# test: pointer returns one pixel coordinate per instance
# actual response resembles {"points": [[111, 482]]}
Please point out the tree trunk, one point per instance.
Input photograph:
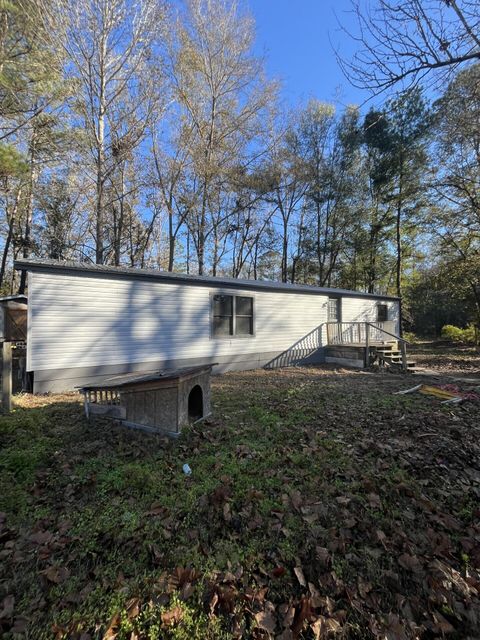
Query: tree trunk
{"points": [[372, 266], [476, 295], [285, 251], [99, 211], [201, 232], [398, 238], [299, 250], [29, 207], [11, 223], [118, 231], [171, 237], [215, 258], [255, 259], [6, 249]]}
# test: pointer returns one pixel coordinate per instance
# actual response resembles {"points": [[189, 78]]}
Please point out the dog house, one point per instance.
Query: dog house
{"points": [[161, 402]]}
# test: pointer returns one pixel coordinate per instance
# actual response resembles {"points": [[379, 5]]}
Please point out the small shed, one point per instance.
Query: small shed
{"points": [[13, 334], [13, 318], [160, 402]]}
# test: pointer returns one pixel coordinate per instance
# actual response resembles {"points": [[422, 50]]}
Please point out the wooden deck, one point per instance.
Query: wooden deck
{"points": [[365, 338]]}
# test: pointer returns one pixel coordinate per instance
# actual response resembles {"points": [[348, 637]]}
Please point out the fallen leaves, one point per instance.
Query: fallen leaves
{"points": [[6, 608], [374, 501], [451, 580], [324, 627], [114, 627], [41, 537], [323, 556], [172, 616], [133, 608], [266, 619], [410, 563], [300, 577], [328, 520], [57, 575]]}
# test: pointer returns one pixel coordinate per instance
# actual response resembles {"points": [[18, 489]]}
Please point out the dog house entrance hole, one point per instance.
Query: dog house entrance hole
{"points": [[195, 403]]}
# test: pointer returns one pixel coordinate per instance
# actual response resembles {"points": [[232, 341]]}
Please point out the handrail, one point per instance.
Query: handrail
{"points": [[372, 324], [394, 335]]}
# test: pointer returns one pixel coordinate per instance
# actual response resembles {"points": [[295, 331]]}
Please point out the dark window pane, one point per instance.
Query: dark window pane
{"points": [[244, 326], [382, 313], [244, 306], [222, 325], [222, 305]]}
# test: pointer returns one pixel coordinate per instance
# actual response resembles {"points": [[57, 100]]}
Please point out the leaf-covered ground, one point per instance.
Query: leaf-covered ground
{"points": [[448, 359], [320, 505]]}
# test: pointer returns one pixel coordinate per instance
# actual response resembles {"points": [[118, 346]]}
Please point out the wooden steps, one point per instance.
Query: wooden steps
{"points": [[390, 355], [377, 343]]}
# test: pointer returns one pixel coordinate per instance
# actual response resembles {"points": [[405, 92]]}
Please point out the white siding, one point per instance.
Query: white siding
{"points": [[365, 310], [87, 320]]}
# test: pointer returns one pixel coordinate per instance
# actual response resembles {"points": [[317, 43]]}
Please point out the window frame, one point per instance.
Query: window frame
{"points": [[234, 295], [385, 306]]}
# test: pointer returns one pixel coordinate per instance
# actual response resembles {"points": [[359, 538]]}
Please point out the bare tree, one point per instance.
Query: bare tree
{"points": [[287, 177], [403, 42], [129, 123], [168, 170], [219, 86], [108, 44]]}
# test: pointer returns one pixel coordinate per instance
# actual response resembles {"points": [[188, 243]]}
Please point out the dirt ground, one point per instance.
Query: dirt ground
{"points": [[320, 505], [447, 359]]}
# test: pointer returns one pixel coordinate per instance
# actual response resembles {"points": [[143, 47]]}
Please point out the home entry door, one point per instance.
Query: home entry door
{"points": [[334, 309]]}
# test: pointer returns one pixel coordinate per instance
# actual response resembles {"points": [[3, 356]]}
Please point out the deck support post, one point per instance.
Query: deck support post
{"points": [[403, 350], [367, 344], [7, 376]]}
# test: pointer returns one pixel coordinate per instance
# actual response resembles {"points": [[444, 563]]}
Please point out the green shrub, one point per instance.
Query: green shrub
{"points": [[456, 334], [410, 337], [470, 334]]}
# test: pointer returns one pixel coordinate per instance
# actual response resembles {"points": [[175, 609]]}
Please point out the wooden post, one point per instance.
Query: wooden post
{"points": [[7, 376], [86, 395], [403, 349], [367, 344]]}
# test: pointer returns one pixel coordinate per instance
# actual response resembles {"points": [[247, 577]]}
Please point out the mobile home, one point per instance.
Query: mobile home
{"points": [[88, 322]]}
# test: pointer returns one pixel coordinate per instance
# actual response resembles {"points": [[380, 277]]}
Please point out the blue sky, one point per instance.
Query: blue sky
{"points": [[295, 37]]}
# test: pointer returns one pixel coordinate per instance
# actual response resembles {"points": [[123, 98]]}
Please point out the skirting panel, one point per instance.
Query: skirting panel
{"points": [[58, 380], [346, 362]]}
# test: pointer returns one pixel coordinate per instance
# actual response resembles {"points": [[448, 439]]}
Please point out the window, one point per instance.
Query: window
{"points": [[232, 315], [334, 310], [382, 312], [222, 315], [243, 316]]}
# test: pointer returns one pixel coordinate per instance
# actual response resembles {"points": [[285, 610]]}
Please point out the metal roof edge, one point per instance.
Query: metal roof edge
{"points": [[17, 297], [35, 264]]}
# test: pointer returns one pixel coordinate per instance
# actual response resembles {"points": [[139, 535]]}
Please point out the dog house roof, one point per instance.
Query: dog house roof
{"points": [[132, 379]]}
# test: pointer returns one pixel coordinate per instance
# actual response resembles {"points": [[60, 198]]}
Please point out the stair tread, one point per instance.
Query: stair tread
{"points": [[410, 365]]}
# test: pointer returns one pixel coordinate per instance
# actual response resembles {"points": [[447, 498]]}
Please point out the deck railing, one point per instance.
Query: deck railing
{"points": [[365, 334]]}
